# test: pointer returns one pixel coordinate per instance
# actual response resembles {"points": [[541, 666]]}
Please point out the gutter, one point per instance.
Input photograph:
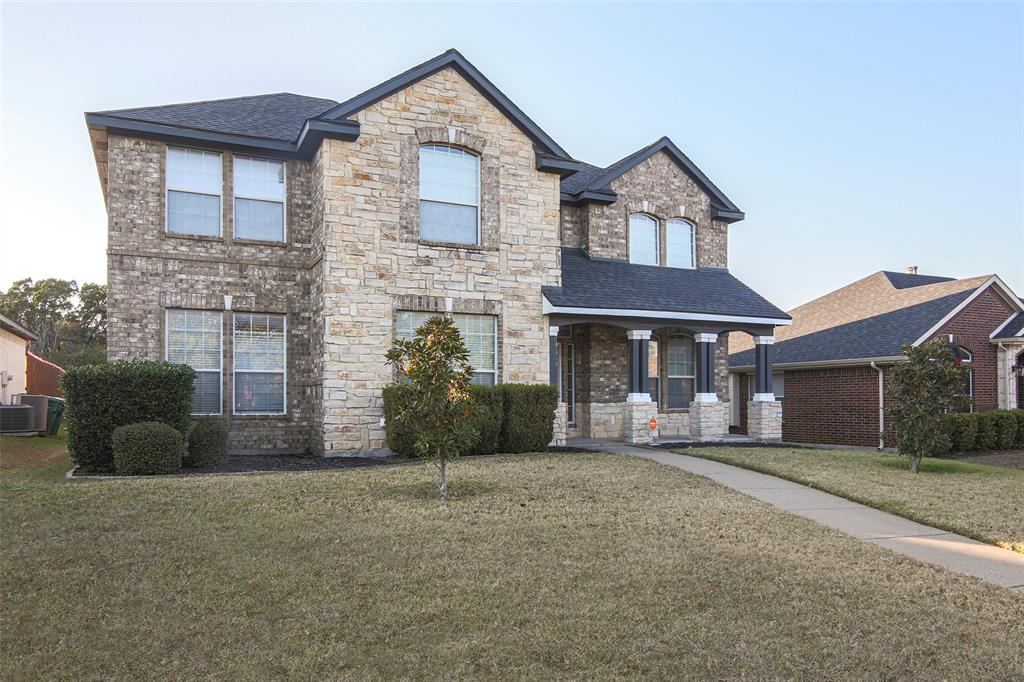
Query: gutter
{"points": [[815, 364], [881, 405]]}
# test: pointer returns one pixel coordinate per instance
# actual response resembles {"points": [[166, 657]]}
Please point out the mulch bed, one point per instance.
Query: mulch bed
{"points": [[1013, 459], [245, 464]]}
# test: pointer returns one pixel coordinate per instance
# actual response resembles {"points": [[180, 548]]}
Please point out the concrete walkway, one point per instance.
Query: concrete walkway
{"points": [[933, 545]]}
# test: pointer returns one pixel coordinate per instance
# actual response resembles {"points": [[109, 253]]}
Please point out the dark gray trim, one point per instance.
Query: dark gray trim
{"points": [[449, 58], [590, 196], [554, 164], [705, 352], [763, 368], [553, 360], [313, 133], [726, 216]]}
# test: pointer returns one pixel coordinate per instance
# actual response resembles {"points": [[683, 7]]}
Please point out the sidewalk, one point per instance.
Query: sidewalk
{"points": [[933, 545]]}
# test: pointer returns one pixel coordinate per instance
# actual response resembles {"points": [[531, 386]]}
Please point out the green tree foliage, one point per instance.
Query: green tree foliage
{"points": [[930, 384], [438, 407], [71, 323]]}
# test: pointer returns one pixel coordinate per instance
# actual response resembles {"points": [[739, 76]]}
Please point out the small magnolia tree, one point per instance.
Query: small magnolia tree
{"points": [[922, 389], [436, 364]]}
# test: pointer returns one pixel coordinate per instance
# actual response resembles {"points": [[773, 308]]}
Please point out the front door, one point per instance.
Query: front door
{"points": [[567, 379]]}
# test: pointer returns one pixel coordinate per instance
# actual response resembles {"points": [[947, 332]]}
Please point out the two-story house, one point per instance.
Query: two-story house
{"points": [[279, 243]]}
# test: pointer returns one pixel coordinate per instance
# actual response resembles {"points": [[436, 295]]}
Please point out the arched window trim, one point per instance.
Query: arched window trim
{"points": [[430, 146], [657, 237], [679, 220]]}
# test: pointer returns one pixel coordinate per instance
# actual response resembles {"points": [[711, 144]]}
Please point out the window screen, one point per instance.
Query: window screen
{"points": [[479, 333], [259, 353], [194, 338], [449, 195], [193, 192], [259, 199]]}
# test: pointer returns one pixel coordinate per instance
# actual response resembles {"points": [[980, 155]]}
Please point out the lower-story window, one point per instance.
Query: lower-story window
{"points": [[194, 338], [479, 333], [259, 363], [681, 373]]}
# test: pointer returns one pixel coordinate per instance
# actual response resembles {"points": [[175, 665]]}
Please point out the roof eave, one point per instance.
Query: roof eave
{"points": [[812, 364], [591, 196]]}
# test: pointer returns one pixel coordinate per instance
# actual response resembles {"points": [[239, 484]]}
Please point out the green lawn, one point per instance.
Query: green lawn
{"points": [[543, 566], [982, 502]]}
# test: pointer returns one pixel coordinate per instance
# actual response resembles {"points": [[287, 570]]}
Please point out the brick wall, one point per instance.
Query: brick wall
{"points": [[831, 405], [971, 329], [660, 188], [149, 271]]}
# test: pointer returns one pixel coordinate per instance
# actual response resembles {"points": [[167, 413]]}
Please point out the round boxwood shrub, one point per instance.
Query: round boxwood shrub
{"points": [[207, 443], [147, 448]]}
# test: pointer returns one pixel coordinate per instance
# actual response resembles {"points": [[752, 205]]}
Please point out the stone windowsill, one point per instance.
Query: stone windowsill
{"points": [[195, 237], [456, 245], [261, 242]]}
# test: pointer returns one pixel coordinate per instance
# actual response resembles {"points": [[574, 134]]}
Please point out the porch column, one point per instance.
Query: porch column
{"points": [[705, 348], [553, 355], [639, 384], [763, 368]]}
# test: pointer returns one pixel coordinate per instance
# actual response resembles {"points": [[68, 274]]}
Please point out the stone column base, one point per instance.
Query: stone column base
{"points": [[561, 425], [764, 419], [709, 421], [636, 419]]}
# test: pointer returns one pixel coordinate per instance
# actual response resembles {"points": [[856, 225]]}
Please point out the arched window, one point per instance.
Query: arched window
{"points": [[449, 195], [643, 239], [679, 244], [681, 371]]}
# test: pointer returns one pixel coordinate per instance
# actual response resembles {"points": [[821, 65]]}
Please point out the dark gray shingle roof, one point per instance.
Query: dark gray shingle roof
{"points": [[601, 283], [278, 116], [579, 180], [906, 280], [1013, 327], [873, 337]]}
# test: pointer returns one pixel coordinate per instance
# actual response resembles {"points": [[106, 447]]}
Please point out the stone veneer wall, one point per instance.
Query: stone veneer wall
{"points": [[149, 271], [660, 188], [373, 261]]}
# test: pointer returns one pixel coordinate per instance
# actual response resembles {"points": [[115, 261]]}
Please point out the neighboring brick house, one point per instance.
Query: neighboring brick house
{"points": [[279, 243], [832, 364]]}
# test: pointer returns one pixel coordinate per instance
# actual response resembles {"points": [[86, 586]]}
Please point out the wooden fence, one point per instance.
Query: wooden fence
{"points": [[43, 377]]}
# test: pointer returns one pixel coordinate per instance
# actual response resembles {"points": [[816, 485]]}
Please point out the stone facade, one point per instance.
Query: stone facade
{"points": [[765, 420], [636, 419], [709, 421]]}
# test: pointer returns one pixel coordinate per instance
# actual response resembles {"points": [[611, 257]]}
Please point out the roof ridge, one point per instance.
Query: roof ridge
{"points": [[213, 101]]}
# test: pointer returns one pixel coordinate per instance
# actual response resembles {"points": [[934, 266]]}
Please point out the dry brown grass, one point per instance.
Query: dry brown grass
{"points": [[982, 502], [559, 566]]}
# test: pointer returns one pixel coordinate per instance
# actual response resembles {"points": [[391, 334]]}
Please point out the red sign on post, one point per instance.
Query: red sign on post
{"points": [[653, 424]]}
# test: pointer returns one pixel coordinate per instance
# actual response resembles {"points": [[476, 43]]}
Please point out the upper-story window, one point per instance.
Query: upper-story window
{"points": [[679, 247], [643, 239], [449, 195], [259, 199], [194, 183]]}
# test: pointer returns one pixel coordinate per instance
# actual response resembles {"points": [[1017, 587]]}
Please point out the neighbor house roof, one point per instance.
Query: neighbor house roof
{"points": [[871, 318], [595, 284], [1013, 328], [16, 329]]}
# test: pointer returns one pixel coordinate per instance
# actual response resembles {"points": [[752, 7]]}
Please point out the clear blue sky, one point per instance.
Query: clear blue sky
{"points": [[857, 137]]}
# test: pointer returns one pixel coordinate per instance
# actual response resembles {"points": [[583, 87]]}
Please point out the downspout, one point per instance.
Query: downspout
{"points": [[881, 405]]}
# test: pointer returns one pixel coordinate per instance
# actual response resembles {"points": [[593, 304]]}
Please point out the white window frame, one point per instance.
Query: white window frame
{"points": [[479, 191], [220, 368], [669, 376], [452, 316], [168, 189], [235, 197], [657, 237], [693, 242], [234, 369]]}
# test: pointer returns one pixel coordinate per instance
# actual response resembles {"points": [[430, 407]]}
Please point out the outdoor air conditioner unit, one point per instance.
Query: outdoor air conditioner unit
{"points": [[40, 405], [17, 419]]}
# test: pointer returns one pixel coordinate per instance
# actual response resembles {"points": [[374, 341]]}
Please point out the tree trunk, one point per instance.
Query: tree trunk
{"points": [[915, 462], [444, 479]]}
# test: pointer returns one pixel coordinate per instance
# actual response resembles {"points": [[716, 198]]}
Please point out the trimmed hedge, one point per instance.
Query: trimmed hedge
{"points": [[528, 423], [507, 418], [993, 430], [207, 443], [147, 448], [101, 398]]}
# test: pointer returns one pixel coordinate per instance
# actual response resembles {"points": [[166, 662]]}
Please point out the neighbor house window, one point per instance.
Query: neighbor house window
{"points": [[194, 338], [643, 239], [259, 363], [963, 358], [479, 333], [193, 192], [679, 247], [680, 371], [652, 368], [259, 199], [449, 195]]}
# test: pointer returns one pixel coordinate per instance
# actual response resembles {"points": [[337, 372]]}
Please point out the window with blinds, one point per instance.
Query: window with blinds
{"points": [[479, 333], [259, 199], [195, 338], [679, 244], [259, 363], [681, 372], [194, 183]]}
